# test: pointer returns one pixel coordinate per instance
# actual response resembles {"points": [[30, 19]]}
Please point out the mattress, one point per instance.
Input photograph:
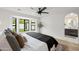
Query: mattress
{"points": [[34, 44]]}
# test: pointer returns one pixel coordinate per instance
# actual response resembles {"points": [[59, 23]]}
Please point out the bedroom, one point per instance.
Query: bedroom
{"points": [[50, 23]]}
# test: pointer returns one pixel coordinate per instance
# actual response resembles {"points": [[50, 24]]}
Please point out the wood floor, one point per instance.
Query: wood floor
{"points": [[68, 46]]}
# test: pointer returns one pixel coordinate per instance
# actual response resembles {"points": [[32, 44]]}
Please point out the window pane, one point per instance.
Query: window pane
{"points": [[14, 30], [33, 25], [21, 21], [21, 30], [21, 25], [27, 25], [14, 24], [14, 21]]}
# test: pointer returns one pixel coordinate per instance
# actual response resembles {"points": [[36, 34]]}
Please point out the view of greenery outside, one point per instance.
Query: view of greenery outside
{"points": [[21, 30], [21, 21], [14, 21], [21, 25], [14, 30]]}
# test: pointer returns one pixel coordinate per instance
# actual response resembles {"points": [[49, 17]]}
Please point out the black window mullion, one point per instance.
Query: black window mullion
{"points": [[15, 24]]}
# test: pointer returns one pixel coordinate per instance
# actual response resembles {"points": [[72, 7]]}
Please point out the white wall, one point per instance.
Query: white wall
{"points": [[6, 20], [53, 25]]}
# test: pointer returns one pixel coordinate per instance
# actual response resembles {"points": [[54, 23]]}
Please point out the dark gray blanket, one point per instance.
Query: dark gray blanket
{"points": [[50, 41]]}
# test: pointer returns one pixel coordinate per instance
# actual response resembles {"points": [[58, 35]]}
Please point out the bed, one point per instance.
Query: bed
{"points": [[50, 41], [35, 42], [40, 41]]}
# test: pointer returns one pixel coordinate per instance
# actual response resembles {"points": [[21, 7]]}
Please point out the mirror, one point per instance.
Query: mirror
{"points": [[71, 25]]}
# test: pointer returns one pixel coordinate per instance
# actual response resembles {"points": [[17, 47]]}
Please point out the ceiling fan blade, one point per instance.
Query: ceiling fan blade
{"points": [[43, 9], [40, 10], [45, 12]]}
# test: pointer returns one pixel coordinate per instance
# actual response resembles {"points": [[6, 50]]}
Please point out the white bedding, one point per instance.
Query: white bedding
{"points": [[34, 44]]}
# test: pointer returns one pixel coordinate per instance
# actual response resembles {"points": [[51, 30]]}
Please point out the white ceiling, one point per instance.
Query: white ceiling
{"points": [[51, 10], [25, 10]]}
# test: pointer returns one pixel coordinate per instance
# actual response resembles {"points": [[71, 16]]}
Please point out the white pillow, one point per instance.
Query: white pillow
{"points": [[4, 45]]}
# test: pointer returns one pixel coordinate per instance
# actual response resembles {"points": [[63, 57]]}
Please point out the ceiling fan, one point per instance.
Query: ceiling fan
{"points": [[41, 10]]}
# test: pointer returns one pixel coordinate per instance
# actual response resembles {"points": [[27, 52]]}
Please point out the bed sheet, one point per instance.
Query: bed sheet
{"points": [[34, 44]]}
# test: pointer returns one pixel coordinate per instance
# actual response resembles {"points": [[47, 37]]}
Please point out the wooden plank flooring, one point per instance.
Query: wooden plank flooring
{"points": [[68, 46]]}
